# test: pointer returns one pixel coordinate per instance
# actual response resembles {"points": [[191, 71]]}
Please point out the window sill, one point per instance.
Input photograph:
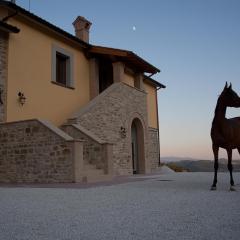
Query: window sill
{"points": [[62, 85]]}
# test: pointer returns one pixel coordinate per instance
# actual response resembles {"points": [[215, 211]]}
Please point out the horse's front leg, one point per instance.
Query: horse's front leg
{"points": [[230, 168], [215, 152]]}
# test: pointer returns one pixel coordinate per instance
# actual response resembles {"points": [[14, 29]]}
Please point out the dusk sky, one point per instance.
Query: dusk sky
{"points": [[195, 43]]}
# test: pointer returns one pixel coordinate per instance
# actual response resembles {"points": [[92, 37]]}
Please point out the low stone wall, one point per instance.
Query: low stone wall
{"points": [[3, 74], [93, 151], [153, 148], [35, 151]]}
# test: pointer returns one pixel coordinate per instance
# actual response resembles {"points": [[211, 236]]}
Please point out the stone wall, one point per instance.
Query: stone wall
{"points": [[153, 148], [33, 151], [93, 150], [3, 74], [110, 116]]}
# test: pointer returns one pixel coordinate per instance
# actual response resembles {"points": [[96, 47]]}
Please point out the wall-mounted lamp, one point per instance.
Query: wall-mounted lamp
{"points": [[21, 98], [123, 132]]}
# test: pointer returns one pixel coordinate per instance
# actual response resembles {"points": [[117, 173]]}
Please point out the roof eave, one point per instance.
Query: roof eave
{"points": [[125, 54], [154, 82], [141, 63], [151, 69], [8, 28], [24, 13]]}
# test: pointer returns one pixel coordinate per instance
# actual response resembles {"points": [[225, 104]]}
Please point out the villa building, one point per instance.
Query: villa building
{"points": [[71, 111]]}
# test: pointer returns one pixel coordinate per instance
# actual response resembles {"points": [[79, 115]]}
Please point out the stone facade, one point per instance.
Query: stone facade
{"points": [[3, 74], [153, 148], [31, 151], [110, 116]]}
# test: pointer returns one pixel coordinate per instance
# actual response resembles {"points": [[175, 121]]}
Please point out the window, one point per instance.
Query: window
{"points": [[62, 67]]}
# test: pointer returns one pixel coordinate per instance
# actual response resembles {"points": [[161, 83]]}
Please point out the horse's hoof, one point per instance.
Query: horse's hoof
{"points": [[232, 188], [213, 188]]}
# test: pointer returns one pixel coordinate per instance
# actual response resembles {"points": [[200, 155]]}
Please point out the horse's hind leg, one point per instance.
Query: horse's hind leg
{"points": [[230, 168], [215, 152]]}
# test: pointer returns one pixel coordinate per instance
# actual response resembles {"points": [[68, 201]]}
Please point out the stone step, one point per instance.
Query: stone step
{"points": [[89, 167], [93, 172], [97, 178]]}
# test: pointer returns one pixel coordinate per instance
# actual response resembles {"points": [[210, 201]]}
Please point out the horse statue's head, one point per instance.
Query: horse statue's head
{"points": [[229, 97]]}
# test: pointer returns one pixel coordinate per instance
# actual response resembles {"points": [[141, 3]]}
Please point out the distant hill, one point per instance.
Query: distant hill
{"points": [[203, 165], [175, 159]]}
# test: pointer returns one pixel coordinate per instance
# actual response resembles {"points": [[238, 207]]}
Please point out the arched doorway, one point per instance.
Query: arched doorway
{"points": [[137, 144]]}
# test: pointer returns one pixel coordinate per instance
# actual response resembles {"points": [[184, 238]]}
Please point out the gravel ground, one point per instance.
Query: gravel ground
{"points": [[171, 206]]}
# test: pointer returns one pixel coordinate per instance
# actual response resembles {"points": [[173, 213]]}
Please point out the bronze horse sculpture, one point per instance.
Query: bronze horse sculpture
{"points": [[225, 133]]}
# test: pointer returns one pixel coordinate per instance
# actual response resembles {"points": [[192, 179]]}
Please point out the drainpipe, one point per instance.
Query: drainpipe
{"points": [[159, 158]]}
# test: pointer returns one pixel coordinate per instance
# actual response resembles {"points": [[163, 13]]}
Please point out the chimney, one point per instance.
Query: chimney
{"points": [[82, 26]]}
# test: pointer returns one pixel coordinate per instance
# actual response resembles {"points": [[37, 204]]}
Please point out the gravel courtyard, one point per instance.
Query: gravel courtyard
{"points": [[165, 206]]}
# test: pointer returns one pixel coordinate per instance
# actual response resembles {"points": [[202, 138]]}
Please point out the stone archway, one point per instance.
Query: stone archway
{"points": [[137, 146]]}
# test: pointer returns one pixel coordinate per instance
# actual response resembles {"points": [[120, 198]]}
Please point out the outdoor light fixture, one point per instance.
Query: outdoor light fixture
{"points": [[21, 98], [123, 132]]}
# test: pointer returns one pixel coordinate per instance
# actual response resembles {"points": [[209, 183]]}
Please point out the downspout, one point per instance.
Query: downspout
{"points": [[158, 125], [157, 88], [159, 156]]}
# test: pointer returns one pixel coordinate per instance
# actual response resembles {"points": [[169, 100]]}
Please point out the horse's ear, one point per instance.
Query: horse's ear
{"points": [[226, 85], [230, 86]]}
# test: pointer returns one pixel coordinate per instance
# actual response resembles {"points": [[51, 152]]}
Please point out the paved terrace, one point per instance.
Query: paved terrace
{"points": [[165, 206]]}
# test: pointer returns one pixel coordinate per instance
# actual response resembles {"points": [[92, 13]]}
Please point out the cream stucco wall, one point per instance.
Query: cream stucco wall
{"points": [[152, 105], [128, 79], [30, 71]]}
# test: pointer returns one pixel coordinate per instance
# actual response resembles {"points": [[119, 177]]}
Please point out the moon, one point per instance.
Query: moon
{"points": [[134, 28]]}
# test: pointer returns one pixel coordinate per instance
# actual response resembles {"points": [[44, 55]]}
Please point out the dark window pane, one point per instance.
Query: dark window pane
{"points": [[105, 74], [61, 68]]}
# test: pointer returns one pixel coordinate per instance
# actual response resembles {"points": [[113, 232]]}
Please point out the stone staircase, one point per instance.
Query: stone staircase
{"points": [[97, 155], [106, 120]]}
